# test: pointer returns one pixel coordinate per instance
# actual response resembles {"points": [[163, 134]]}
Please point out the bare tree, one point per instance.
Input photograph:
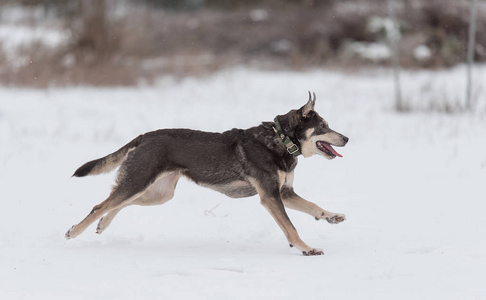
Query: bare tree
{"points": [[393, 39], [470, 53], [91, 30]]}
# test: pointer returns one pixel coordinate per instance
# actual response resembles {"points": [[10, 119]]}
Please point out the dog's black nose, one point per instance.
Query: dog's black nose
{"points": [[345, 139]]}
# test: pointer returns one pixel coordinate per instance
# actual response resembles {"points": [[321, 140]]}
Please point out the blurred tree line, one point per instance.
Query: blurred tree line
{"points": [[182, 4], [195, 4], [119, 41]]}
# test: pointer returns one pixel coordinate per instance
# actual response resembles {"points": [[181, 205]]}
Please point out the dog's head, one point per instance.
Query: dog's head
{"points": [[311, 131]]}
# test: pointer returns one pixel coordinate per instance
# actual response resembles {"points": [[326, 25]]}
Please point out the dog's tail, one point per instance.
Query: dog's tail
{"points": [[109, 162]]}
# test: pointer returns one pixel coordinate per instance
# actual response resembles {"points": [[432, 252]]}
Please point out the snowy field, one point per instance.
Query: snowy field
{"points": [[411, 185]]}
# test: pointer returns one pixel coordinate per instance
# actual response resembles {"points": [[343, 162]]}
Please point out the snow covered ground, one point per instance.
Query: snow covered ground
{"points": [[411, 186]]}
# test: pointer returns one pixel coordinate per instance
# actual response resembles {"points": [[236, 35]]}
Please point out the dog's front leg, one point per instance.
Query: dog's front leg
{"points": [[270, 199], [294, 201]]}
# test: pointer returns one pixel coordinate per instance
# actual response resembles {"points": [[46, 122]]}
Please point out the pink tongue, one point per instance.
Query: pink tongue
{"points": [[330, 148]]}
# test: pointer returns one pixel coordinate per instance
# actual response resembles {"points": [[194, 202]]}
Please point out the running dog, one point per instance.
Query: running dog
{"points": [[238, 163]]}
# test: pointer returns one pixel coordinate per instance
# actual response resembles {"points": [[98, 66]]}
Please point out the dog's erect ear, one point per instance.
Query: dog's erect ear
{"points": [[309, 106]]}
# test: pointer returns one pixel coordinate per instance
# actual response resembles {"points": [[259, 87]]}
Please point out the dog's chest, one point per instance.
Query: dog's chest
{"points": [[288, 163]]}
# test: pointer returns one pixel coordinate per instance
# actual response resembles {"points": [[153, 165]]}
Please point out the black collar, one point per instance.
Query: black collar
{"points": [[292, 148]]}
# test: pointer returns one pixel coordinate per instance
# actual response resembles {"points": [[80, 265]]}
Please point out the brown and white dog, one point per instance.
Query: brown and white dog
{"points": [[238, 163]]}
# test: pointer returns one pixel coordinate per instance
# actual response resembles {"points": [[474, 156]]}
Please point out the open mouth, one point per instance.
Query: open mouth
{"points": [[327, 148]]}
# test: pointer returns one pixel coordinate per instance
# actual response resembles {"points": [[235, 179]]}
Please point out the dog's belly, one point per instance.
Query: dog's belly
{"points": [[235, 189]]}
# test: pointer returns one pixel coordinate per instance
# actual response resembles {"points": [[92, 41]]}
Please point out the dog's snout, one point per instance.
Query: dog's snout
{"points": [[345, 140]]}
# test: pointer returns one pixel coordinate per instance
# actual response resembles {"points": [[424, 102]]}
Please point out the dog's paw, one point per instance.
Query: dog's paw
{"points": [[68, 234], [336, 218], [313, 252], [332, 218], [101, 227]]}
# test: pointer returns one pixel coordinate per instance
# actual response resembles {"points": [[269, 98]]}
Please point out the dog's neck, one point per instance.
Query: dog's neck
{"points": [[292, 148]]}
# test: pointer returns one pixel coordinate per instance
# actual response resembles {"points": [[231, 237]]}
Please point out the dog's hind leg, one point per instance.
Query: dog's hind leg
{"points": [[105, 221], [139, 174], [270, 199], [158, 193], [113, 202], [122, 194]]}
